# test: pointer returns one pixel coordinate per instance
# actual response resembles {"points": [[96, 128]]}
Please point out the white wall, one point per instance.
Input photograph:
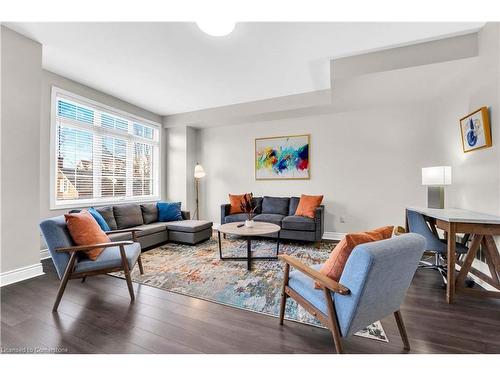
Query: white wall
{"points": [[366, 164], [369, 145], [21, 60]]}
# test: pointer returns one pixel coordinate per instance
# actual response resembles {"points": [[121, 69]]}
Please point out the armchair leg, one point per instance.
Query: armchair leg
{"points": [[283, 294], [402, 329], [127, 273], [334, 325], [139, 262], [64, 281], [83, 279]]}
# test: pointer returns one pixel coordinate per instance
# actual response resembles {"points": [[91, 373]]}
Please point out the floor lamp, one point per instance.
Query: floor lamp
{"points": [[198, 173]]}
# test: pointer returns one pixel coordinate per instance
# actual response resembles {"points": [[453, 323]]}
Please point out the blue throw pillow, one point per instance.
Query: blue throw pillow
{"points": [[100, 220], [169, 211]]}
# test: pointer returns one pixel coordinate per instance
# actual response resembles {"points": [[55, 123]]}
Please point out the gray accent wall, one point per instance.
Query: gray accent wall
{"points": [[21, 61]]}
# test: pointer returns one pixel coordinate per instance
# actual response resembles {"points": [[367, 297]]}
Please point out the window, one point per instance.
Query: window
{"points": [[101, 155]]}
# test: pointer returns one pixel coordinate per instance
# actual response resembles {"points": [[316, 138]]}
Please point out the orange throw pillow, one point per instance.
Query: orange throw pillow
{"points": [[334, 266], [308, 204], [85, 231], [235, 201]]}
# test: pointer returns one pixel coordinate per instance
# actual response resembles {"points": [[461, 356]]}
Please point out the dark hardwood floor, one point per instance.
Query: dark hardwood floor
{"points": [[97, 317]]}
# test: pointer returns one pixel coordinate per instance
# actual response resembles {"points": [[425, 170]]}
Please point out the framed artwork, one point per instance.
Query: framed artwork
{"points": [[475, 130], [282, 158]]}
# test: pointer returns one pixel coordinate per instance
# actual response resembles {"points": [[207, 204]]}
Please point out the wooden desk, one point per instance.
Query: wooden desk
{"points": [[482, 228]]}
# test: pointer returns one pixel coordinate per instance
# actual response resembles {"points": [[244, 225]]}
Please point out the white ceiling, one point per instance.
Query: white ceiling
{"points": [[172, 67]]}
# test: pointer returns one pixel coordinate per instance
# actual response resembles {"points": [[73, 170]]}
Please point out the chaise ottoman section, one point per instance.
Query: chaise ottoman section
{"points": [[189, 231]]}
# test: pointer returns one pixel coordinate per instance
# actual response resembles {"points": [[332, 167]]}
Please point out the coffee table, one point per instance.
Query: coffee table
{"points": [[259, 229]]}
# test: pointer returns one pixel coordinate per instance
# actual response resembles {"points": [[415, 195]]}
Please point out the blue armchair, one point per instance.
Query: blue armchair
{"points": [[373, 285], [70, 262]]}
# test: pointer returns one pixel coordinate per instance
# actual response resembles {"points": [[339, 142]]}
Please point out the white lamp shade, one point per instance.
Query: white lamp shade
{"points": [[199, 172], [436, 176]]}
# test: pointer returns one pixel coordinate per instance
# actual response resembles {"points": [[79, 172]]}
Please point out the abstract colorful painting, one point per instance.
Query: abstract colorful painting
{"points": [[282, 157]]}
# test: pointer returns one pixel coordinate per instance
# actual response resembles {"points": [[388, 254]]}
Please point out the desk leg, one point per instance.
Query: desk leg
{"points": [[450, 287]]}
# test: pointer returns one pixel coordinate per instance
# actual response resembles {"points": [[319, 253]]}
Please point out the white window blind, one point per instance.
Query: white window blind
{"points": [[101, 155]]}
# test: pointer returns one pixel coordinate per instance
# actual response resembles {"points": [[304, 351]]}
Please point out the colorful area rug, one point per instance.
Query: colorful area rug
{"points": [[197, 271]]}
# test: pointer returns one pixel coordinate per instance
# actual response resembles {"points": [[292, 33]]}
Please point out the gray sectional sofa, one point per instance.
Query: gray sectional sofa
{"points": [[281, 211], [153, 233]]}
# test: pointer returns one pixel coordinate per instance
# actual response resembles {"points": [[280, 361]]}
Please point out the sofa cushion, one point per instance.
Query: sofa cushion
{"points": [[335, 264], [85, 231], [114, 237], [128, 215], [189, 226], [304, 286], [299, 223], [275, 205], [270, 218], [149, 213], [100, 220], [151, 228], [235, 217], [294, 202], [110, 258], [257, 202], [109, 216]]}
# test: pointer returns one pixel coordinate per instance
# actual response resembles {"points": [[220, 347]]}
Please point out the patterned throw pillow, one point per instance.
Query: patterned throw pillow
{"points": [[85, 231]]}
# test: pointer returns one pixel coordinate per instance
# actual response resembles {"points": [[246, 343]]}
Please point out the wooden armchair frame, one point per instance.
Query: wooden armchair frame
{"points": [[73, 251], [328, 285]]}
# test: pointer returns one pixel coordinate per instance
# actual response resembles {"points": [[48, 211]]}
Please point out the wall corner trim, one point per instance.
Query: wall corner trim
{"points": [[20, 274]]}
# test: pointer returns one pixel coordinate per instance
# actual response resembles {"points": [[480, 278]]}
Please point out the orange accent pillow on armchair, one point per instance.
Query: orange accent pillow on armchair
{"points": [[235, 201], [85, 231], [334, 266], [308, 204]]}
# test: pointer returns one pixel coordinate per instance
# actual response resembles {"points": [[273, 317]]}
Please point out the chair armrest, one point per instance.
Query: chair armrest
{"points": [[315, 275], [90, 247], [123, 230]]}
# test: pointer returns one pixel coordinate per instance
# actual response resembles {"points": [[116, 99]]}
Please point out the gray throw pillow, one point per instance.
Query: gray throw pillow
{"points": [[149, 213]]}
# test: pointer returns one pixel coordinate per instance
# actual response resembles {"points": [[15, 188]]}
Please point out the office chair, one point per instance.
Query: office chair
{"points": [[434, 245]]}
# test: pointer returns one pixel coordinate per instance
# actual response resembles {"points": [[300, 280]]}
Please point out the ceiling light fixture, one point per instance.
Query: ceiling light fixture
{"points": [[216, 27]]}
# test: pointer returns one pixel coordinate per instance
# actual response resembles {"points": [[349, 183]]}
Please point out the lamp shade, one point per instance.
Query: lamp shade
{"points": [[199, 172], [436, 176]]}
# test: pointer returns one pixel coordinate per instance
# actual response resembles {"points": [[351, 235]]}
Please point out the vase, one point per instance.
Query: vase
{"points": [[249, 223]]}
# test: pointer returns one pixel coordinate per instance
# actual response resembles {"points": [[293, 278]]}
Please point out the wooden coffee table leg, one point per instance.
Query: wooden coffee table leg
{"points": [[249, 254]]}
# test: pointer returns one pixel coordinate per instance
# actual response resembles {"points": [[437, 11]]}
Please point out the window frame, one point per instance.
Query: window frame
{"points": [[56, 204]]}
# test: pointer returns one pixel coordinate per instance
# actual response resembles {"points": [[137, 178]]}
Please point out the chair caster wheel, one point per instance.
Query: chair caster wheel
{"points": [[469, 283]]}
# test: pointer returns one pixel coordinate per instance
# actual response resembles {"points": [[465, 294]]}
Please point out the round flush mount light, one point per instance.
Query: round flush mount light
{"points": [[216, 27]]}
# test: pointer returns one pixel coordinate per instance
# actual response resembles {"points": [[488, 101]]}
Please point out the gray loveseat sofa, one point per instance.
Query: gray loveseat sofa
{"points": [[152, 232], [281, 211]]}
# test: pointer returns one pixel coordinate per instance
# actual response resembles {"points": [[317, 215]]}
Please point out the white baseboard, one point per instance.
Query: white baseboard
{"points": [[44, 254], [21, 274], [333, 236]]}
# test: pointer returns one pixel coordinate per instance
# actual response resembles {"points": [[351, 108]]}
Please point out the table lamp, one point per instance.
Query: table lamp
{"points": [[199, 172], [435, 178]]}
